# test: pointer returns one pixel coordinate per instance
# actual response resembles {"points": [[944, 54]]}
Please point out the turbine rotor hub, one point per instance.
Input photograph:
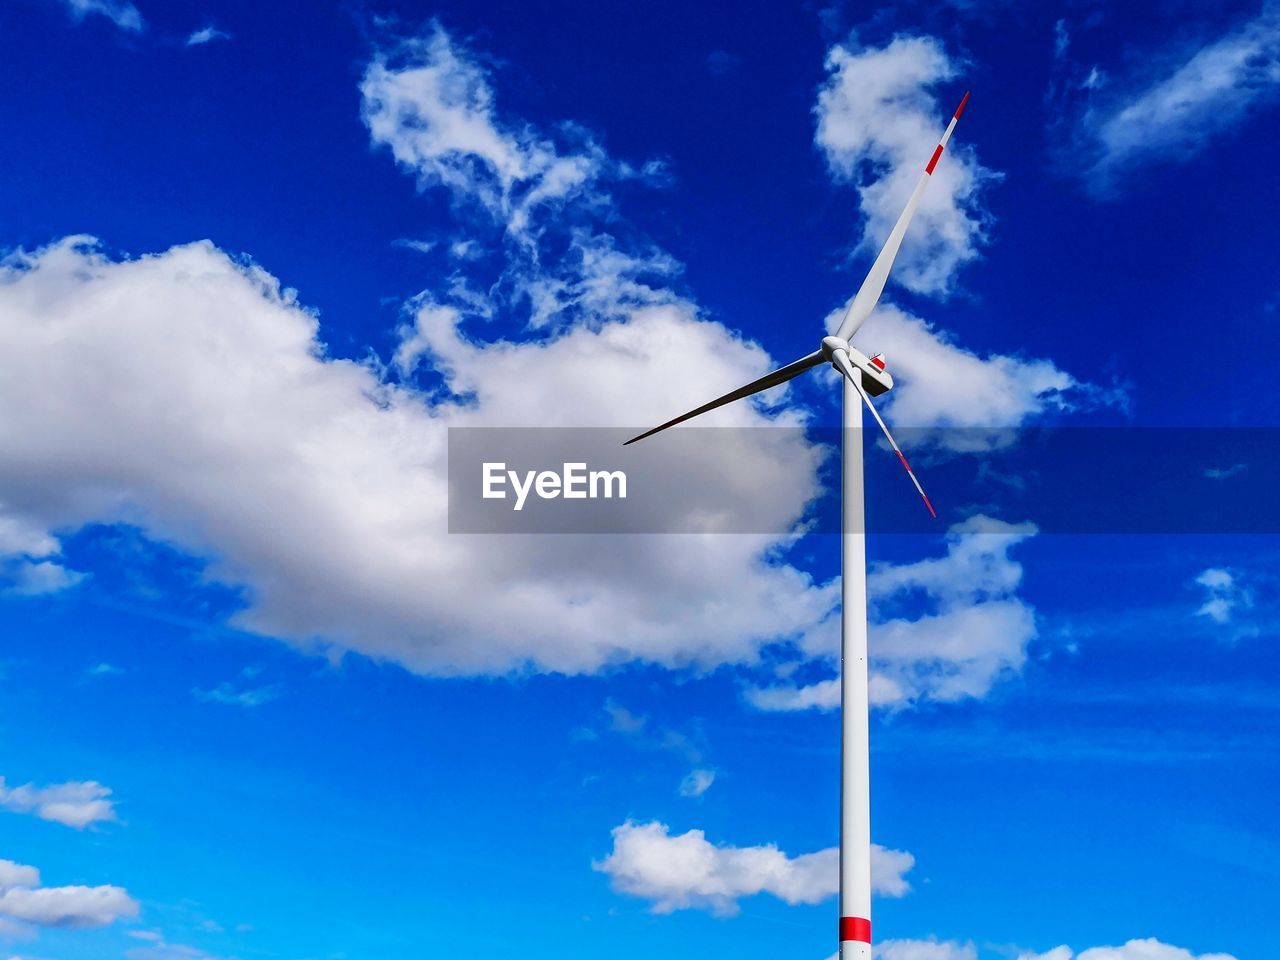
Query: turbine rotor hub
{"points": [[831, 344]]}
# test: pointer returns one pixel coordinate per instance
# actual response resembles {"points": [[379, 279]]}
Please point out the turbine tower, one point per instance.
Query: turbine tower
{"points": [[864, 377]]}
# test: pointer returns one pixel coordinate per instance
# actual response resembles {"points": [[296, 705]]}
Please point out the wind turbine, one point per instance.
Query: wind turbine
{"points": [[864, 377]]}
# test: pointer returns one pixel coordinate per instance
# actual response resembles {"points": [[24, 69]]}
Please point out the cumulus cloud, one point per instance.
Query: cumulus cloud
{"points": [[966, 630], [977, 628], [940, 384], [1148, 949], [689, 872], [877, 125], [22, 899], [214, 420], [120, 12], [1173, 114], [75, 804]]}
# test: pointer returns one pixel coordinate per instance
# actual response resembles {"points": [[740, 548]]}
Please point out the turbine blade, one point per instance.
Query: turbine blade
{"points": [[848, 370], [873, 286], [781, 375]]}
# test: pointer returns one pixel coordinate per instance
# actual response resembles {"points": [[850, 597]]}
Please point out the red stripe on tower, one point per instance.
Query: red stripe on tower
{"points": [[934, 162], [855, 928], [960, 109]]}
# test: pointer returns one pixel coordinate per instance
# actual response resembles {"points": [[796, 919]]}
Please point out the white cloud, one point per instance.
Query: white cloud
{"points": [[25, 551], [824, 695], [17, 875], [75, 804], [977, 629], [120, 12], [622, 720], [1173, 115], [22, 899], [878, 124], [969, 628], [214, 421], [230, 695], [688, 872], [930, 949], [206, 35], [940, 384], [1225, 473], [418, 246], [1148, 949], [1224, 595], [429, 101], [34, 578], [431, 104], [697, 782]]}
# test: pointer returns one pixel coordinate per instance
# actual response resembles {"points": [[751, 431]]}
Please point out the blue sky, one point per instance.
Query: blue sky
{"points": [[258, 703]]}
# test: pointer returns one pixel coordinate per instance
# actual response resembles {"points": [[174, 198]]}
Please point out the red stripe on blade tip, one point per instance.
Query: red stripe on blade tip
{"points": [[934, 162], [960, 109], [855, 928]]}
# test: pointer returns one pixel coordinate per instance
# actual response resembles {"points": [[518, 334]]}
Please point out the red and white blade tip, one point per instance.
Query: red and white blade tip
{"points": [[919, 489], [960, 109]]}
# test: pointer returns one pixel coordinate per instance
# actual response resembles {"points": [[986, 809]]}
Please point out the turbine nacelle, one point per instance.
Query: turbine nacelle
{"points": [[875, 378]]}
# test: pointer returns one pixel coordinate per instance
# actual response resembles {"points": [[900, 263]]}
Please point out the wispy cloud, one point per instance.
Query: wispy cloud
{"points": [[697, 782], [1225, 473], [637, 729], [206, 34], [722, 63], [120, 12], [1224, 596], [158, 948], [231, 695], [430, 102], [411, 243], [1110, 126]]}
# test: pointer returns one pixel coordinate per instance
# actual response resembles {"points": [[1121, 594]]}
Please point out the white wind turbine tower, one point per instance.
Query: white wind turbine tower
{"points": [[864, 378]]}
